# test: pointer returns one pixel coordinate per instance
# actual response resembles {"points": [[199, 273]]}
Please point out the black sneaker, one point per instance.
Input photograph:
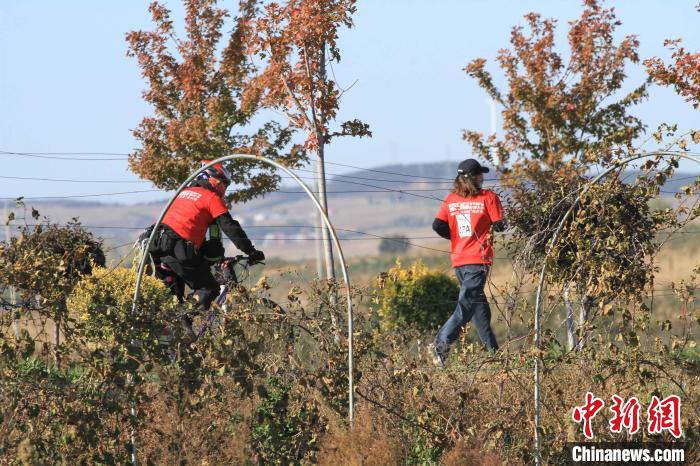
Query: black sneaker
{"points": [[437, 356]]}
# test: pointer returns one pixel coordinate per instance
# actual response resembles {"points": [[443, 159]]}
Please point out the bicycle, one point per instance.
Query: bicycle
{"points": [[225, 274], [227, 278]]}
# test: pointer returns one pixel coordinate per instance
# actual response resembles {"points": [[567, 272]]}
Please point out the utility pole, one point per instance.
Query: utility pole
{"points": [[13, 296], [320, 228]]}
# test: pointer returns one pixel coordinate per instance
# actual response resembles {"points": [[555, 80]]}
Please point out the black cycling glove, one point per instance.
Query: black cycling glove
{"points": [[256, 257]]}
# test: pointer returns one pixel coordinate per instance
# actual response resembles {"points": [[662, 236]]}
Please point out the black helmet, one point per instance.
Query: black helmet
{"points": [[218, 177]]}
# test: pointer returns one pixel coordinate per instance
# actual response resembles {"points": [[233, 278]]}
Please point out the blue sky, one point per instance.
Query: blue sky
{"points": [[66, 84]]}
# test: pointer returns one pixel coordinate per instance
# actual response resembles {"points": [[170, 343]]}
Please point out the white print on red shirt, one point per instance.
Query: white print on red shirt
{"points": [[466, 207], [462, 212], [464, 225], [191, 195]]}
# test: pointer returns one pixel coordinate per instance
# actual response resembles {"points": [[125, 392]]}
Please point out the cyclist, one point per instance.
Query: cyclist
{"points": [[465, 218], [181, 253]]}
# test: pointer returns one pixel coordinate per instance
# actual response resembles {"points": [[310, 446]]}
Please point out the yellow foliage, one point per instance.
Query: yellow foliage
{"points": [[417, 295], [103, 299]]}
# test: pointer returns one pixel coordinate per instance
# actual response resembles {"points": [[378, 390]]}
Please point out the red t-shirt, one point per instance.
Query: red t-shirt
{"points": [[192, 212], [470, 220]]}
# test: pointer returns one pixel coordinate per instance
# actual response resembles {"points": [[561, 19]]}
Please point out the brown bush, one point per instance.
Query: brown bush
{"points": [[219, 434], [367, 443], [464, 453]]}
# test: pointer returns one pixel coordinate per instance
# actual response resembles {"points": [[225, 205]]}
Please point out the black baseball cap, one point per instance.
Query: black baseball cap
{"points": [[471, 167]]}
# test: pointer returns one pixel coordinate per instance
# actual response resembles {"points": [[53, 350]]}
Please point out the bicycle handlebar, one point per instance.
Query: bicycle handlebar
{"points": [[238, 259]]}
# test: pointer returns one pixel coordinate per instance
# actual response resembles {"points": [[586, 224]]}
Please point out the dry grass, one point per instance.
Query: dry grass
{"points": [[465, 453], [219, 434], [367, 443]]}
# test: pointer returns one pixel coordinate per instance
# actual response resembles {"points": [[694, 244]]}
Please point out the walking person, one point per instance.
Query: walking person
{"points": [[466, 217]]}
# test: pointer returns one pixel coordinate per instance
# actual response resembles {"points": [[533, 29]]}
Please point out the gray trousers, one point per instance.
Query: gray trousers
{"points": [[471, 305]]}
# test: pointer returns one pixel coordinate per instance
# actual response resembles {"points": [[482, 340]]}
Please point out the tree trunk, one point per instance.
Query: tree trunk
{"points": [[570, 325], [585, 312], [325, 234]]}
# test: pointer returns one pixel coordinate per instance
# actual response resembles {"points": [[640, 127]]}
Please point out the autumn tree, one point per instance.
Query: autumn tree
{"points": [[195, 86], [295, 42], [683, 73], [561, 118]]}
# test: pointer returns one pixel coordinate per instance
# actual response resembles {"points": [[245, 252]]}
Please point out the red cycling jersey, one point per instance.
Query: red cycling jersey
{"points": [[470, 220], [192, 212]]}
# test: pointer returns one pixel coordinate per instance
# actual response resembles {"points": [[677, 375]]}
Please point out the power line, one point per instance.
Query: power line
{"points": [[29, 178], [123, 157], [62, 156], [141, 181], [422, 179], [373, 236], [377, 189], [55, 155], [74, 196], [72, 180], [404, 240], [119, 246], [356, 183], [116, 227], [389, 189], [352, 191], [388, 172], [684, 178], [355, 191], [380, 179]]}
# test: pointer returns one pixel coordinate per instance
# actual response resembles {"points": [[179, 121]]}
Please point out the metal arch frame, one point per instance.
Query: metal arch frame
{"points": [[329, 225], [538, 298]]}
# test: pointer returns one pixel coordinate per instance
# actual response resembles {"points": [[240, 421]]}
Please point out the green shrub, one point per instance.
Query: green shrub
{"points": [[283, 433], [102, 302], [417, 296], [45, 261]]}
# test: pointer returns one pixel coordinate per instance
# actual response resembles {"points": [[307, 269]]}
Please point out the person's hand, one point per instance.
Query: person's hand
{"points": [[255, 257]]}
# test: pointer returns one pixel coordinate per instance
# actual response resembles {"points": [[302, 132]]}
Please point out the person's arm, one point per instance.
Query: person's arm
{"points": [[235, 233], [441, 224], [442, 228], [495, 212], [499, 226]]}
